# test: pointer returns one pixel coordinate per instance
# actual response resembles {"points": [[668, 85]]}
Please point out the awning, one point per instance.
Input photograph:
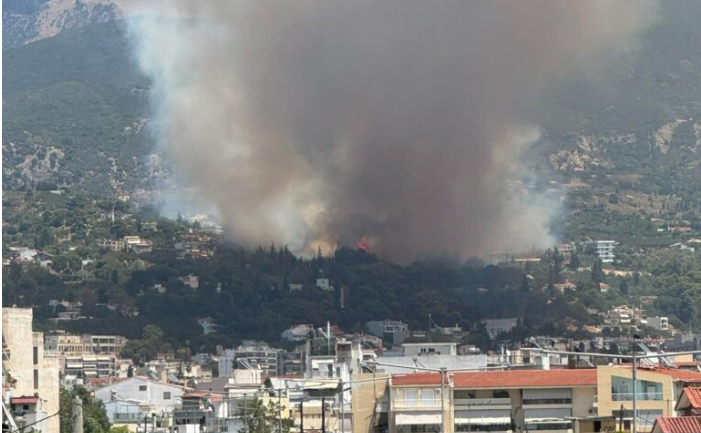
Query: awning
{"points": [[484, 421], [547, 420], [319, 385], [417, 418], [24, 400]]}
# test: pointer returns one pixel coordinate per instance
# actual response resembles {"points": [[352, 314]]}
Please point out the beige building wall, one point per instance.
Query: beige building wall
{"points": [[40, 377], [583, 401], [606, 405], [366, 397]]}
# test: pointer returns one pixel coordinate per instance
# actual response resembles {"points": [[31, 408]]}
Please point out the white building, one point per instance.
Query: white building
{"points": [[208, 325], [255, 354], [131, 400], [427, 349], [323, 284], [192, 281], [495, 327], [660, 323], [604, 250]]}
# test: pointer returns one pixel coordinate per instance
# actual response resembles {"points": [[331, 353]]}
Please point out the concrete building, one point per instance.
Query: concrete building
{"points": [[391, 331], [88, 366], [130, 401], [495, 327], [86, 344], [429, 349], [208, 325], [556, 401], [604, 250], [660, 323], [31, 374], [253, 354], [137, 245]]}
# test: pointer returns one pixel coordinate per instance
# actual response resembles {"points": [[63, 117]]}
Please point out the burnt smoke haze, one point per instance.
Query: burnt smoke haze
{"points": [[317, 123]]}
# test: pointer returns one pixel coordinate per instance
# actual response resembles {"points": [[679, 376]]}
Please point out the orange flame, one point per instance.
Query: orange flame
{"points": [[362, 244]]}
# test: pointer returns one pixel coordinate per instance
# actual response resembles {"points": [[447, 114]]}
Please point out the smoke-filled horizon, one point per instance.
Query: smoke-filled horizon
{"points": [[318, 123]]}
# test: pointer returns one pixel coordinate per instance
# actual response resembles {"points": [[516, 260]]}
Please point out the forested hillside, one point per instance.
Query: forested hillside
{"points": [[248, 293]]}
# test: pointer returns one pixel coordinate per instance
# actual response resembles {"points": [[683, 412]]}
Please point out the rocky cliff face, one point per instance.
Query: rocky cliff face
{"points": [[25, 21]]}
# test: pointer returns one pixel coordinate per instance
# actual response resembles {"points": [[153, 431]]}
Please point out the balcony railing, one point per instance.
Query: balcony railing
{"points": [[483, 402], [418, 403], [628, 396], [129, 416]]}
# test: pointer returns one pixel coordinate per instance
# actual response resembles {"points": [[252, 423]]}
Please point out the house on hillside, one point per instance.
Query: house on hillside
{"points": [[129, 401]]}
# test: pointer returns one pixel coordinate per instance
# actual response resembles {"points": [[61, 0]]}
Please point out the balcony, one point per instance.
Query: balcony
{"points": [[125, 417], [483, 403], [642, 396], [418, 404]]}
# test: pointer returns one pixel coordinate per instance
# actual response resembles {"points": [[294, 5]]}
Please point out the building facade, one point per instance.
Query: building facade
{"points": [[30, 374]]}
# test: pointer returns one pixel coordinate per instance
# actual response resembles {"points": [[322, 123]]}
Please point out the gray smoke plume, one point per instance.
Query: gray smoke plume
{"points": [[320, 122]]}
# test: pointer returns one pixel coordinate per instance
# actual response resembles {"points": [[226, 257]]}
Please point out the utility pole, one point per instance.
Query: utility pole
{"points": [[245, 413], [343, 411], [635, 394], [443, 371], [77, 415], [323, 414], [301, 416], [279, 409]]}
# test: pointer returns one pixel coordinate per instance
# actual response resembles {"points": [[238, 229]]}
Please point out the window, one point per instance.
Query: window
{"points": [[142, 388], [411, 397], [25, 407], [430, 397], [36, 355], [166, 396], [36, 379]]}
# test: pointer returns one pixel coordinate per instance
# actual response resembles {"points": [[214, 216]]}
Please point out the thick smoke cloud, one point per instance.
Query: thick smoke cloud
{"points": [[319, 122]]}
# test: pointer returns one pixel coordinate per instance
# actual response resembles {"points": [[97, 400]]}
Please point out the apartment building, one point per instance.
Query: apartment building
{"points": [[74, 345], [553, 401], [657, 389], [391, 331], [88, 366], [31, 375], [250, 353], [604, 250]]}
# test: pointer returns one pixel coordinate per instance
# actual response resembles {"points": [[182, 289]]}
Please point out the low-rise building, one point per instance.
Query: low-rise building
{"points": [[391, 331], [428, 348], [660, 323], [137, 244], [130, 401], [495, 327]]}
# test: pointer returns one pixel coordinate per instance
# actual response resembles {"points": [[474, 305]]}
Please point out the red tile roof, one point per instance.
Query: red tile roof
{"points": [[681, 424], [505, 379], [417, 379], [694, 396], [681, 375]]}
